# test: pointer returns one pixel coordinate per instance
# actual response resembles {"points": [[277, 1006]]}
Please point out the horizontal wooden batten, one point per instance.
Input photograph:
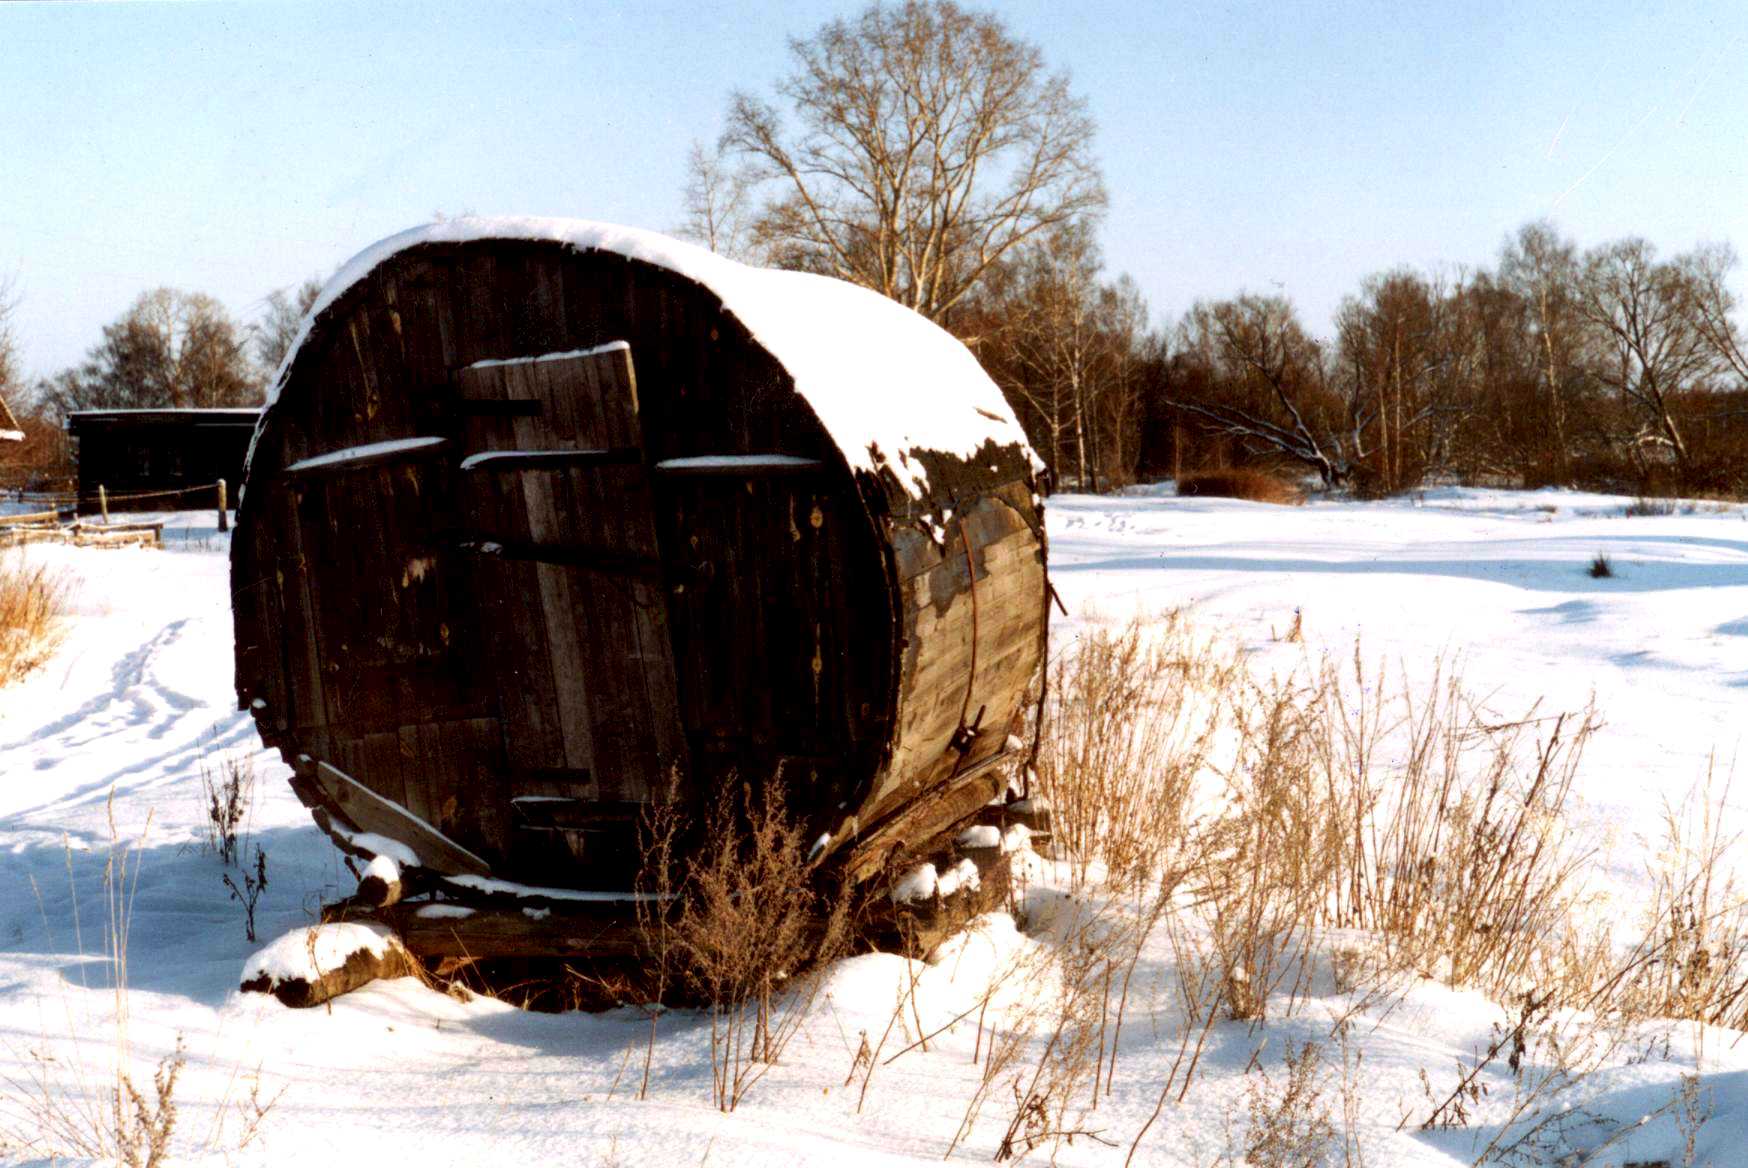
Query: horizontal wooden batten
{"points": [[556, 813], [369, 455], [751, 466], [499, 408], [607, 560], [608, 929], [513, 460]]}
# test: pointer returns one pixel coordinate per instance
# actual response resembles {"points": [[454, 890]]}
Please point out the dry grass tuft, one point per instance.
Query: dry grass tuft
{"points": [[1129, 721], [1449, 835], [1291, 1123], [748, 916], [32, 602], [1240, 483]]}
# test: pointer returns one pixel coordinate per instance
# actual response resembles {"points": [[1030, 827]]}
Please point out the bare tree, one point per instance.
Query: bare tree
{"points": [[1409, 346], [1132, 353], [1541, 268], [715, 198], [931, 145], [1054, 343], [170, 349], [11, 376], [281, 323], [1267, 386], [1713, 305], [1653, 348]]}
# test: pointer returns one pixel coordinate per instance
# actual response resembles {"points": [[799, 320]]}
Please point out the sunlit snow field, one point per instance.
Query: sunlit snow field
{"points": [[106, 743]]}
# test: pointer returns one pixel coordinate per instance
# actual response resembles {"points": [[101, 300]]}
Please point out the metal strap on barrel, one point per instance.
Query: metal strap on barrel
{"points": [[965, 735]]}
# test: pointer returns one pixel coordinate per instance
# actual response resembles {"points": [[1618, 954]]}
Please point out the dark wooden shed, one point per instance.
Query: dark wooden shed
{"points": [[159, 460], [543, 515]]}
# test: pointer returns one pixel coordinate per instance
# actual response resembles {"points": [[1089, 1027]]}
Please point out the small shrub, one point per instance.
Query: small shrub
{"points": [[1646, 507], [1600, 568], [143, 1127], [1239, 483], [1277, 859], [229, 785], [32, 602], [1292, 1127], [748, 918], [1459, 858], [1693, 959]]}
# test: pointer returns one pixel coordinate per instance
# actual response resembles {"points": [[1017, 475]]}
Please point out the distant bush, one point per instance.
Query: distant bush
{"points": [[1600, 568], [32, 600], [1239, 483]]}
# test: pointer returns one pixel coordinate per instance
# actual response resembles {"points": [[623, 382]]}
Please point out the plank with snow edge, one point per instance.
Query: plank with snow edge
{"points": [[554, 460], [740, 465], [370, 812], [367, 454]]}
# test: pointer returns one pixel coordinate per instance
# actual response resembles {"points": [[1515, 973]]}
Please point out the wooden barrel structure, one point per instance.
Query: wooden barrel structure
{"points": [[546, 519]]}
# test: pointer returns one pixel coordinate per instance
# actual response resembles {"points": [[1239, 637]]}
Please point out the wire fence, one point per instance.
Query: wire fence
{"points": [[136, 496]]}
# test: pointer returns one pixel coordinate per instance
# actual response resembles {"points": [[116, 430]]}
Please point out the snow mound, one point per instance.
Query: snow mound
{"points": [[917, 884], [308, 954], [961, 875], [981, 836]]}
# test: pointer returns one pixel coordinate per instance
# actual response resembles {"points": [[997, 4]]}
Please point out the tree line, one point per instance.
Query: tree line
{"points": [[1609, 367], [923, 151]]}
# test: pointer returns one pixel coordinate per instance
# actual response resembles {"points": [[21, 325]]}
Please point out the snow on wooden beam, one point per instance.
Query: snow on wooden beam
{"points": [[311, 966], [353, 457]]}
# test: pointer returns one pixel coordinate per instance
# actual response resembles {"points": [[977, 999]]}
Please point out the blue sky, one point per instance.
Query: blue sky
{"points": [[238, 147]]}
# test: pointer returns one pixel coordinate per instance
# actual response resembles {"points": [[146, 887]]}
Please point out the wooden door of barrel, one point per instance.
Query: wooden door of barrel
{"points": [[555, 494]]}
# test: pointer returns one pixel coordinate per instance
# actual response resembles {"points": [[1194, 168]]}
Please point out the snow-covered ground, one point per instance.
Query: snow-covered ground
{"points": [[100, 760]]}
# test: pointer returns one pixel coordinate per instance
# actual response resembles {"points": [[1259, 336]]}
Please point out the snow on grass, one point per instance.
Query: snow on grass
{"points": [[101, 751]]}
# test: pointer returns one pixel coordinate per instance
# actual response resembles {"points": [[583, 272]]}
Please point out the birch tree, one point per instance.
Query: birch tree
{"points": [[170, 349], [1541, 268], [926, 145], [1652, 347], [281, 323], [716, 200], [11, 374]]}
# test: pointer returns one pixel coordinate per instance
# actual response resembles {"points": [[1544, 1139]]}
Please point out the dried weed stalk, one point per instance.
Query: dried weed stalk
{"points": [[1129, 722], [228, 783]]}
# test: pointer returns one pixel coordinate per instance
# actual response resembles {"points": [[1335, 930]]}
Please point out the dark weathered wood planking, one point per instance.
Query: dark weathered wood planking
{"points": [[792, 646]]}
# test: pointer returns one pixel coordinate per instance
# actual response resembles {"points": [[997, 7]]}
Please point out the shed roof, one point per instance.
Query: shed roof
{"points": [[216, 416], [883, 380]]}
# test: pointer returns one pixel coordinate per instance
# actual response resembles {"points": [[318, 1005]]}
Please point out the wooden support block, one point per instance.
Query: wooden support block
{"points": [[603, 929], [360, 968]]}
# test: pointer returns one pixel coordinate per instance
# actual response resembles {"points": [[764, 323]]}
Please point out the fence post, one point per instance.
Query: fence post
{"points": [[103, 503], [224, 518]]}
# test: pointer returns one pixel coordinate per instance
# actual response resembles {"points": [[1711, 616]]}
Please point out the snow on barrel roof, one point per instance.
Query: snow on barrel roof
{"points": [[878, 375]]}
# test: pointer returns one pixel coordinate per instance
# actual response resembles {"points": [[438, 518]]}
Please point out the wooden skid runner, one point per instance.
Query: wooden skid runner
{"points": [[438, 929]]}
